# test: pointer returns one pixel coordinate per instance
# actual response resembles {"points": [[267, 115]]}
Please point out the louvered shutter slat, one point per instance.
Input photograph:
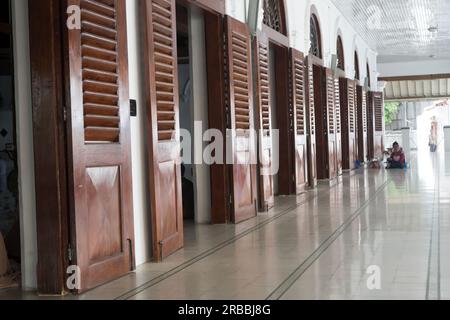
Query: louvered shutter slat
{"points": [[337, 102], [99, 56], [330, 102]]}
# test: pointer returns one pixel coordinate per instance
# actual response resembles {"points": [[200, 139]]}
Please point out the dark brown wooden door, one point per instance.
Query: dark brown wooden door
{"points": [[349, 147], [297, 64], [162, 125], [378, 104], [311, 125], [264, 122], [352, 118], [241, 116], [99, 143], [338, 127], [331, 124], [370, 126], [321, 122], [362, 124]]}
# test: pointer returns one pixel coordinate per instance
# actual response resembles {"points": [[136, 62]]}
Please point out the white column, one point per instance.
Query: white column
{"points": [[141, 203], [406, 141], [24, 130], [197, 49], [447, 138]]}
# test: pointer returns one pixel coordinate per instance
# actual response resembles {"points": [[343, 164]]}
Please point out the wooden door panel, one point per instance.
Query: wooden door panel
{"points": [[104, 213], [370, 126], [321, 123], [297, 100], [241, 114], [348, 123], [162, 125], [331, 124], [311, 126], [264, 121], [338, 130], [352, 123], [378, 105], [99, 143], [362, 124]]}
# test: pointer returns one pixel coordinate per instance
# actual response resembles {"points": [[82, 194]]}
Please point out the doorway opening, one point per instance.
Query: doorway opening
{"points": [[193, 112], [284, 179], [274, 109], [10, 251], [186, 112]]}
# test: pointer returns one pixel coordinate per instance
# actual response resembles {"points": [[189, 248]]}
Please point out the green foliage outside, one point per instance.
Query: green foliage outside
{"points": [[390, 111]]}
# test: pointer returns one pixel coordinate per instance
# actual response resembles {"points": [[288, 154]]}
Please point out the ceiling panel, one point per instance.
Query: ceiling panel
{"points": [[399, 29], [417, 89]]}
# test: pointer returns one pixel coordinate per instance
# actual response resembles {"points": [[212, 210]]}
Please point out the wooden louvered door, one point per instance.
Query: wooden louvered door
{"points": [[240, 102], [297, 96], [321, 123], [352, 121], [362, 124], [338, 127], [378, 105], [331, 127], [99, 143], [163, 136], [348, 126], [370, 126], [264, 122], [311, 123]]}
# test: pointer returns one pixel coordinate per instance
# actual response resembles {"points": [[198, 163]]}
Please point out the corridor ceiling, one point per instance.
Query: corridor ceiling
{"points": [[401, 30], [417, 89]]}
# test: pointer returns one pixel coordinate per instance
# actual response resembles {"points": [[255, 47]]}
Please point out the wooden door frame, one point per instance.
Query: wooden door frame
{"points": [[280, 44], [370, 125], [213, 6], [320, 106], [218, 114], [49, 132], [299, 125], [285, 120], [317, 62], [362, 135]]}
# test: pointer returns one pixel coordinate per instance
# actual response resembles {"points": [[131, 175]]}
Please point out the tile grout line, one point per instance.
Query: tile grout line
{"points": [[308, 262], [433, 280], [209, 252]]}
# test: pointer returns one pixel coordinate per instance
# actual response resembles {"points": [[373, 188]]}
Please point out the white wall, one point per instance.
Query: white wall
{"points": [[331, 23], [413, 68], [25, 143], [142, 223]]}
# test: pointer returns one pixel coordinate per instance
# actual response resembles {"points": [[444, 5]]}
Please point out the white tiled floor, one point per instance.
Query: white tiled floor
{"points": [[398, 221]]}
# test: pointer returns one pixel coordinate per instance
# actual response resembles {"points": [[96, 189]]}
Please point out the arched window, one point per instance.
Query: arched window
{"points": [[340, 54], [368, 74], [357, 74], [274, 15], [315, 38]]}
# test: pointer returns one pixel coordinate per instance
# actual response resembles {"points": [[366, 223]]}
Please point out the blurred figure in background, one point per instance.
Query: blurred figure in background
{"points": [[433, 143], [397, 157]]}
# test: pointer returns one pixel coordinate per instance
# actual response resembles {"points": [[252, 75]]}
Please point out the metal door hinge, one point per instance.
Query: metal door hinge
{"points": [[65, 114], [69, 253]]}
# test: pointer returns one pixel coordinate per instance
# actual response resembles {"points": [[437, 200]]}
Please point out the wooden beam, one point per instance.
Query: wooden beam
{"points": [[275, 36], [422, 98], [416, 77]]}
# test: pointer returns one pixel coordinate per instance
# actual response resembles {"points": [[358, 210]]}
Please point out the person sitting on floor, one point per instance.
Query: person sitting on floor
{"points": [[397, 158]]}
